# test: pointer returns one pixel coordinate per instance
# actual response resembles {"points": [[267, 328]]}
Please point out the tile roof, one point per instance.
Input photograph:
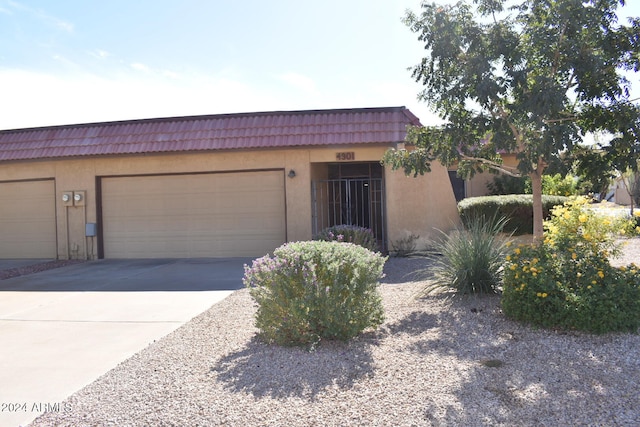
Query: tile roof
{"points": [[212, 132]]}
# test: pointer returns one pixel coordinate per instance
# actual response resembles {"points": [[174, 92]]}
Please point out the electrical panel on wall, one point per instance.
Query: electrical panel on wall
{"points": [[78, 198], [67, 198]]}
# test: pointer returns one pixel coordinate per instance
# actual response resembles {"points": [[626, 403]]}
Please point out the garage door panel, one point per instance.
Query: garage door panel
{"points": [[27, 219], [206, 215]]}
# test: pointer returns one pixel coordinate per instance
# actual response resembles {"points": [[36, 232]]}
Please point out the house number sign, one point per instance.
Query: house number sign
{"points": [[346, 156]]}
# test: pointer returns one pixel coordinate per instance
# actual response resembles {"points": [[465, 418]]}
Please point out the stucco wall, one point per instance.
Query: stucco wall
{"points": [[419, 205], [416, 205], [477, 186]]}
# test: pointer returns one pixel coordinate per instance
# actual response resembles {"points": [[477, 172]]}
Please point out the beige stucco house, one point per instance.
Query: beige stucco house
{"points": [[479, 184], [210, 186]]}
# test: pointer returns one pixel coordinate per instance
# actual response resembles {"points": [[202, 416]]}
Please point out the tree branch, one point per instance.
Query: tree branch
{"points": [[492, 165]]}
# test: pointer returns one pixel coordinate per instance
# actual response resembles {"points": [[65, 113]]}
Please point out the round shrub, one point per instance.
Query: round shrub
{"points": [[567, 280], [360, 236], [313, 290]]}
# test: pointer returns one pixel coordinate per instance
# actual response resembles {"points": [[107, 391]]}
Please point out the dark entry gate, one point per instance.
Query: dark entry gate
{"points": [[355, 201]]}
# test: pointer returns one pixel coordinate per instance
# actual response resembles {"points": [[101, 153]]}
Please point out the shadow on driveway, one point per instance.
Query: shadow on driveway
{"points": [[135, 275]]}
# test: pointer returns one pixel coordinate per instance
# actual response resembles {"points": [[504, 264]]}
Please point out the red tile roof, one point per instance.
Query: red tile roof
{"points": [[213, 132]]}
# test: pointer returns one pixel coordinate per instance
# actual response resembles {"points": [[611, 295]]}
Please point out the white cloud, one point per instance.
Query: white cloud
{"points": [[299, 81], [39, 99], [43, 16], [99, 53], [140, 67]]}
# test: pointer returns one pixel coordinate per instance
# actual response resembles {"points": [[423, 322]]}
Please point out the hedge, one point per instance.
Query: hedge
{"points": [[518, 208]]}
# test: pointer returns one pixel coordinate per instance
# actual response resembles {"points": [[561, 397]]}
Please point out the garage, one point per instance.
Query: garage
{"points": [[28, 219], [223, 214]]}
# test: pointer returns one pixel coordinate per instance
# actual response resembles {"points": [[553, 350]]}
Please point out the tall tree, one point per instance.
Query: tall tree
{"points": [[530, 79]]}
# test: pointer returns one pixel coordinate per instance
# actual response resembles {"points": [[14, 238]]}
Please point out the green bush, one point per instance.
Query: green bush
{"points": [[517, 208], [567, 280], [316, 290], [553, 185], [349, 234], [471, 257], [506, 184]]}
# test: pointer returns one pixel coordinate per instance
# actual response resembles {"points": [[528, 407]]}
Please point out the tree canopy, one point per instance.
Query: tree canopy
{"points": [[530, 78]]}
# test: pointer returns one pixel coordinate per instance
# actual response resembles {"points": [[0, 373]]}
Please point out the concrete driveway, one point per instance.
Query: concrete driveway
{"points": [[61, 329]]}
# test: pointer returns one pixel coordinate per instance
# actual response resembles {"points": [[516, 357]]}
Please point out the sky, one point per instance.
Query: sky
{"points": [[82, 61]]}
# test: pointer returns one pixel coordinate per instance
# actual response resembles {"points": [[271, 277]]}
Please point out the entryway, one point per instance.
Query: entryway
{"points": [[352, 194]]}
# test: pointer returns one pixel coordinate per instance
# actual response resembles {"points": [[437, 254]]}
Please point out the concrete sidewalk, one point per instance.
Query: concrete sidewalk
{"points": [[61, 329]]}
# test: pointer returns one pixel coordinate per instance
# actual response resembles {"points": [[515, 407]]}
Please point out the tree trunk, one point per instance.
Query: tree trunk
{"points": [[536, 187]]}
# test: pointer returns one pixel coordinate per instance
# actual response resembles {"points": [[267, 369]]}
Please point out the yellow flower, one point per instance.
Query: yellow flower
{"points": [[593, 282], [589, 287], [512, 267], [582, 218], [544, 295], [508, 257], [600, 274], [517, 251], [574, 255]]}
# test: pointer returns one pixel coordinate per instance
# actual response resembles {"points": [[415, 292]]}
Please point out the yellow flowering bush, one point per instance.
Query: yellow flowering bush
{"points": [[567, 281]]}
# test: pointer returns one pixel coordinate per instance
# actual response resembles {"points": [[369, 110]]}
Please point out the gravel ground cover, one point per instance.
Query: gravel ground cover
{"points": [[435, 361], [35, 268]]}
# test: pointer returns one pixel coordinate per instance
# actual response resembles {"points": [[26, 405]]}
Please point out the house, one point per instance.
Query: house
{"points": [[210, 186], [478, 185]]}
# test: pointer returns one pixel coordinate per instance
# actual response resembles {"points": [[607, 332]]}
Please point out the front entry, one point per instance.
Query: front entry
{"points": [[353, 195]]}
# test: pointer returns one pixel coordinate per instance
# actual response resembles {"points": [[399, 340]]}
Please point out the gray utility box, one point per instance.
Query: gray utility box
{"points": [[91, 230]]}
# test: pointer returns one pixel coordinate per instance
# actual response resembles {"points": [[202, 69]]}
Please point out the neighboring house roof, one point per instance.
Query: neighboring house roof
{"points": [[211, 132]]}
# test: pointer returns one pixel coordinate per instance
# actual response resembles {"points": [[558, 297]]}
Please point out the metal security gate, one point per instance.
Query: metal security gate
{"points": [[350, 202]]}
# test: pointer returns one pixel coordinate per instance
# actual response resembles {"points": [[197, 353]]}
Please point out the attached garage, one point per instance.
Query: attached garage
{"points": [[28, 219], [220, 185], [193, 215]]}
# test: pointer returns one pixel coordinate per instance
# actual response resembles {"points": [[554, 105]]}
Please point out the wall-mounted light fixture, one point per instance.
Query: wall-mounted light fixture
{"points": [[292, 174]]}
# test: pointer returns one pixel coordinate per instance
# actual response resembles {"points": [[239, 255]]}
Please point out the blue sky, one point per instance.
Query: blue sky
{"points": [[77, 61]]}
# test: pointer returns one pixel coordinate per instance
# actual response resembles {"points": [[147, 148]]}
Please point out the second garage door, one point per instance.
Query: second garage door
{"points": [[199, 215], [28, 219]]}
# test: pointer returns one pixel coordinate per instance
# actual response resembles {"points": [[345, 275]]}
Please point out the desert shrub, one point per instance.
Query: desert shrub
{"points": [[518, 209], [506, 184], [567, 280], [308, 291], [360, 236], [552, 185], [632, 224], [471, 257], [405, 246]]}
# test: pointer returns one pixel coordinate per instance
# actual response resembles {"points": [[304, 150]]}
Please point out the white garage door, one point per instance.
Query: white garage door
{"points": [[27, 219], [199, 215]]}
